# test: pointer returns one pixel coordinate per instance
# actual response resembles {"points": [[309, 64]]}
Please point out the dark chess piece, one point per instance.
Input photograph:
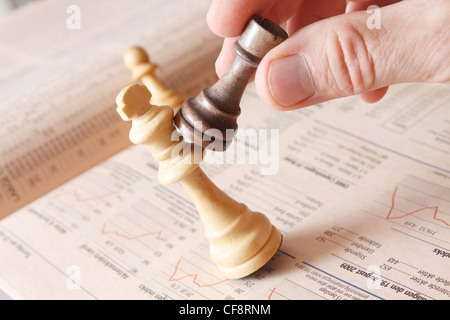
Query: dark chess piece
{"points": [[210, 118]]}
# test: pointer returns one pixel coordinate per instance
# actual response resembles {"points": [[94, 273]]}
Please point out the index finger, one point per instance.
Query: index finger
{"points": [[228, 18]]}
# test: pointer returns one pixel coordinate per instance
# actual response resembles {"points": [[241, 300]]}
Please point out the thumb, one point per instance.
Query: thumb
{"points": [[344, 55]]}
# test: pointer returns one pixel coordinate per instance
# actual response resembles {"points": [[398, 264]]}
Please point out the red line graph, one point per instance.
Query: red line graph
{"points": [[194, 278], [79, 198], [435, 209], [157, 233], [271, 293]]}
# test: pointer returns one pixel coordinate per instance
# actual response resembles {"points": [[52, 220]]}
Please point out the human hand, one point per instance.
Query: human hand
{"points": [[333, 51]]}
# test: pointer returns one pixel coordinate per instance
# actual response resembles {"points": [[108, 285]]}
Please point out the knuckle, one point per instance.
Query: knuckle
{"points": [[351, 68]]}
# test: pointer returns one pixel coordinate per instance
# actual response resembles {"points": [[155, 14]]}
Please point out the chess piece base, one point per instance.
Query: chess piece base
{"points": [[258, 260]]}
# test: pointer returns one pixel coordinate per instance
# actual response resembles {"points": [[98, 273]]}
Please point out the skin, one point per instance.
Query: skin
{"points": [[339, 54]]}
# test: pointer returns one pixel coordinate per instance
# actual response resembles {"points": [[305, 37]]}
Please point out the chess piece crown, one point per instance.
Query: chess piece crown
{"points": [[138, 61]]}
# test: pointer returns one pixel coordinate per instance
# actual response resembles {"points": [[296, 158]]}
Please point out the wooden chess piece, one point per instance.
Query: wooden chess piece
{"points": [[210, 118], [241, 240], [137, 60]]}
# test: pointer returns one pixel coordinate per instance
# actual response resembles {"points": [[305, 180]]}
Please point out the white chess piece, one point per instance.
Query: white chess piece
{"points": [[241, 240], [137, 60]]}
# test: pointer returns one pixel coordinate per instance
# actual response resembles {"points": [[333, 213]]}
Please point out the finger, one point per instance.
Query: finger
{"points": [[226, 56], [342, 56], [307, 11], [283, 10], [374, 95], [278, 13], [358, 5], [228, 18], [315, 10]]}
